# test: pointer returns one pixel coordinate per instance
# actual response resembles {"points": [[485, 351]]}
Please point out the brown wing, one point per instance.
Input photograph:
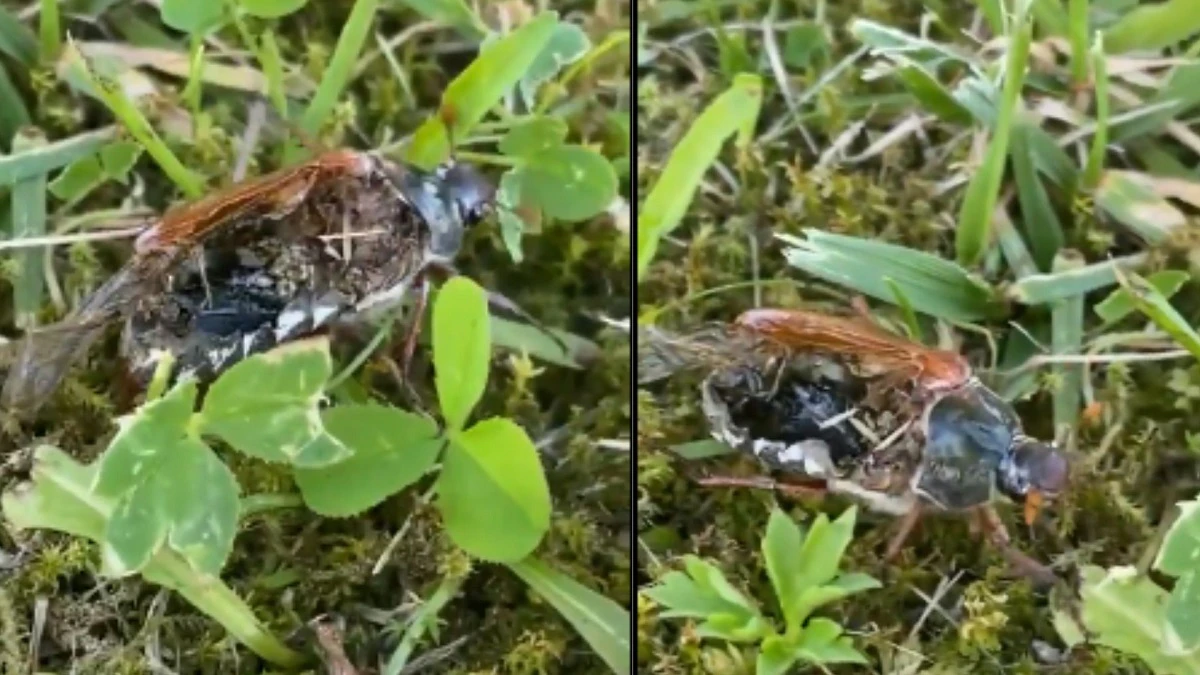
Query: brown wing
{"points": [[46, 354], [859, 340], [274, 194]]}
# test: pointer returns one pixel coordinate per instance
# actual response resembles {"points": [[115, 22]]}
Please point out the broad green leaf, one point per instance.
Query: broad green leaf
{"points": [[190, 16], [1153, 26], [482, 85], [1182, 632], [136, 447], [57, 497], [512, 225], [734, 111], [118, 158], [1181, 545], [1126, 611], [681, 596], [391, 448], [270, 9], [533, 136], [167, 489], [822, 641], [79, 178], [710, 578], [781, 553], [843, 586], [824, 544], [1120, 304], [604, 624], [492, 492], [187, 499], [267, 406], [461, 348], [1178, 557], [776, 656], [568, 182], [567, 44], [739, 627]]}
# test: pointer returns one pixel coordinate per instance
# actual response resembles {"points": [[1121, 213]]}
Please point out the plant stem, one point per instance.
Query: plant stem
{"points": [[211, 596]]}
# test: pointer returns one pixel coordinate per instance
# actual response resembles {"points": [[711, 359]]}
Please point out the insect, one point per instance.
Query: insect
{"points": [[343, 236], [935, 435]]}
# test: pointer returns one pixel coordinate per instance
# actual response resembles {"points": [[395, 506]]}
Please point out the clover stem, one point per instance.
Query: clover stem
{"points": [[162, 373], [211, 596]]}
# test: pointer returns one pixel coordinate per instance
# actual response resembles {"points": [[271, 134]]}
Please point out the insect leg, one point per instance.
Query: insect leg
{"points": [[993, 528], [907, 524], [790, 488]]}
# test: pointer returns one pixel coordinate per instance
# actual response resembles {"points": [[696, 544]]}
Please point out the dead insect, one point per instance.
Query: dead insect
{"points": [[341, 236], [935, 435]]}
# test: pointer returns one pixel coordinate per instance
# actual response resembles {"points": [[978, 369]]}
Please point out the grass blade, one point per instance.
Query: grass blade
{"points": [[49, 30], [1158, 309], [29, 220], [20, 166], [603, 623], [13, 113], [735, 110], [135, 122], [1095, 160], [1066, 320], [975, 218], [1041, 289], [1132, 198], [1120, 304], [1040, 222], [931, 284], [337, 74], [492, 75], [423, 621]]}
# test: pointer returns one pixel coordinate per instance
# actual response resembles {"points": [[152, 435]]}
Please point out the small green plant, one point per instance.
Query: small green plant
{"points": [[734, 111], [803, 569], [1125, 609]]}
